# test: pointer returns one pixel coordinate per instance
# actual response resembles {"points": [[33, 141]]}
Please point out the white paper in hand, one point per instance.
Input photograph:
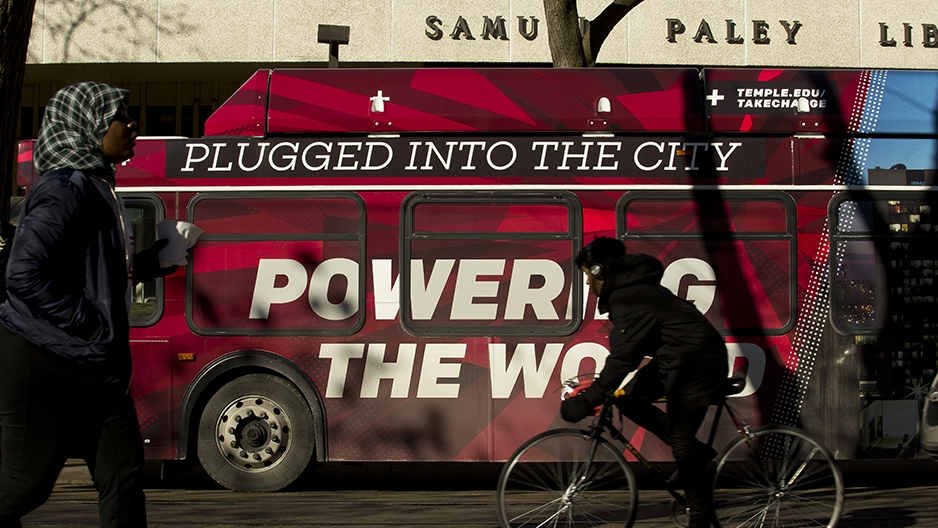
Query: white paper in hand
{"points": [[181, 236]]}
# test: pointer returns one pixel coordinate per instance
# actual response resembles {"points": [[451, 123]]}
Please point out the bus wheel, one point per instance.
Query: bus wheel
{"points": [[256, 434]]}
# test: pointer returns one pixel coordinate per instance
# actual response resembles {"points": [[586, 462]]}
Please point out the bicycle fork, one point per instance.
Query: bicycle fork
{"points": [[583, 474]]}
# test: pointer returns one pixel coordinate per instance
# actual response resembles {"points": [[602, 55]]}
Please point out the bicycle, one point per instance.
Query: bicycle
{"points": [[774, 475]]}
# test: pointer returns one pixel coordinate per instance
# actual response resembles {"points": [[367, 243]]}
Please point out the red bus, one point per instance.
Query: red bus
{"points": [[386, 271]]}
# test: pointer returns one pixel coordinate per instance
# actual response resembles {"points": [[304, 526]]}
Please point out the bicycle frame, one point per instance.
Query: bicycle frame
{"points": [[605, 422], [775, 473]]}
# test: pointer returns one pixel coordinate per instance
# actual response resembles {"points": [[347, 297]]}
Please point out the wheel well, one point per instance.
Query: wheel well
{"points": [[230, 366]]}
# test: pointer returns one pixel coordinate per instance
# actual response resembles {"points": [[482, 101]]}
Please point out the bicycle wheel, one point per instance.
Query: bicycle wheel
{"points": [[780, 477], [547, 482]]}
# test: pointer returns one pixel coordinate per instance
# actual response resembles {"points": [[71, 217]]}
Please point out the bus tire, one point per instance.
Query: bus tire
{"points": [[256, 434]]}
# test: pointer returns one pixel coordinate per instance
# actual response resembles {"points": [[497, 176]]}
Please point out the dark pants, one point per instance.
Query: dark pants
{"points": [[677, 428], [46, 417]]}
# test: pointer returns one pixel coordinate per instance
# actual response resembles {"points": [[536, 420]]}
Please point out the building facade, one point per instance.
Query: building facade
{"points": [[181, 59]]}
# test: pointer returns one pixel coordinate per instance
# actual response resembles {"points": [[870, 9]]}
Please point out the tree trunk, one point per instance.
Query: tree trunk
{"points": [[16, 20], [570, 49], [563, 33]]}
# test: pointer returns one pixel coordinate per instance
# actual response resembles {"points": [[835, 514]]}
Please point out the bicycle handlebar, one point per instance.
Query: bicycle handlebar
{"points": [[573, 386]]}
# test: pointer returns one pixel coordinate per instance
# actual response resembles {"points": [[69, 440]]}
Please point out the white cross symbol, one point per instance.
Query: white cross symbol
{"points": [[377, 103], [714, 97]]}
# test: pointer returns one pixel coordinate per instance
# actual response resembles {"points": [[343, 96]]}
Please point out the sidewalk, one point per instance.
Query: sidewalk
{"points": [[74, 474], [880, 494], [899, 473]]}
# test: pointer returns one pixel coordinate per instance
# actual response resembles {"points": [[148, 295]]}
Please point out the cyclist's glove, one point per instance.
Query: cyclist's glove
{"points": [[576, 408]]}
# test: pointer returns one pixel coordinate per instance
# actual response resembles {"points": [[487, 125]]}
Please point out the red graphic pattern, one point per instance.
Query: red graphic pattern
{"points": [[768, 255]]}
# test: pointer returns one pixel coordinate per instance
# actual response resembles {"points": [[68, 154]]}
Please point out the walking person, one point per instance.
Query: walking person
{"points": [[688, 362], [65, 363]]}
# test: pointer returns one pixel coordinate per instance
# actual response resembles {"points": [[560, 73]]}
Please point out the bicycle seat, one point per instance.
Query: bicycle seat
{"points": [[734, 385]]}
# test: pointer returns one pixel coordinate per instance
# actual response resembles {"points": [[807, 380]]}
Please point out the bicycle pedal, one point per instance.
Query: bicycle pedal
{"points": [[675, 479]]}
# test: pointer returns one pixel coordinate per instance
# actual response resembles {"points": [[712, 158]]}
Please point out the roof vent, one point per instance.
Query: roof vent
{"points": [[603, 106], [377, 103], [803, 105]]}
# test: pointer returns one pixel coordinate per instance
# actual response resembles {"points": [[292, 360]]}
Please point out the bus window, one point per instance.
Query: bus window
{"points": [[147, 297], [490, 264], [277, 264], [730, 253], [884, 273]]}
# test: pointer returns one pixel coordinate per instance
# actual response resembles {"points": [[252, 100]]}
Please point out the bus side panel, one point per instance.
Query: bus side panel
{"points": [[875, 346]]}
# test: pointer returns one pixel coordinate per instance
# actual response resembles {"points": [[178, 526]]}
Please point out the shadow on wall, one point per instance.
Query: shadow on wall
{"points": [[128, 30]]}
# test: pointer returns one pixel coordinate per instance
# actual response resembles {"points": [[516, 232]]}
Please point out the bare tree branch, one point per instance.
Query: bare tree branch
{"points": [[568, 49], [600, 27]]}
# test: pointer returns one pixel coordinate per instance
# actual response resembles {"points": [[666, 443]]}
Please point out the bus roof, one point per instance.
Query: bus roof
{"points": [[297, 101], [530, 100], [515, 104]]}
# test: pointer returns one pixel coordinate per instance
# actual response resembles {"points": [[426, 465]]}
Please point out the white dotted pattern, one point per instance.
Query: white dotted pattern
{"points": [[815, 312]]}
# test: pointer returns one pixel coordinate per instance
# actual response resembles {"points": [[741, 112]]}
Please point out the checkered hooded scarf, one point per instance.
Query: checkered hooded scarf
{"points": [[75, 121]]}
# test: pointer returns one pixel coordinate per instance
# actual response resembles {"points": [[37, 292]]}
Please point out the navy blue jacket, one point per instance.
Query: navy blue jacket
{"points": [[687, 351], [67, 276]]}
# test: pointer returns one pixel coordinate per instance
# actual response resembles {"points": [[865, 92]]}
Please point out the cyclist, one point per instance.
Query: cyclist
{"points": [[688, 362]]}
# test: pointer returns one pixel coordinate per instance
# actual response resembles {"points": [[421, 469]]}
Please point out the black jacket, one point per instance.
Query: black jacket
{"points": [[649, 320], [67, 279]]}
